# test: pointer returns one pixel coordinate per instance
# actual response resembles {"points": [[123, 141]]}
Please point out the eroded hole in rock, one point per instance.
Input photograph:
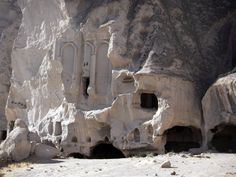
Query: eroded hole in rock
{"points": [[57, 129], [86, 82], [76, 155], [106, 151], [74, 139], [181, 138], [3, 135], [136, 135], [224, 140], [106, 139], [149, 101], [88, 139], [11, 125]]}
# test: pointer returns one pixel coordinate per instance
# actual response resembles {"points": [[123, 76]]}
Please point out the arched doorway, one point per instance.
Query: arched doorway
{"points": [[149, 101]]}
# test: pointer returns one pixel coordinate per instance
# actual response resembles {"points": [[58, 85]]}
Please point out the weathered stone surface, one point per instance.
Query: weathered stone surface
{"points": [[10, 17], [166, 164], [219, 109], [45, 151], [17, 145], [121, 72]]}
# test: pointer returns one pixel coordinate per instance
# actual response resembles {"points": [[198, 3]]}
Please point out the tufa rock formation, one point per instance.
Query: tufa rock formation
{"points": [[121, 76]]}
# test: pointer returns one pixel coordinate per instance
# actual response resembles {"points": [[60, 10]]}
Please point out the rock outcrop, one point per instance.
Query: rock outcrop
{"points": [[10, 18], [17, 146], [219, 114], [122, 76]]}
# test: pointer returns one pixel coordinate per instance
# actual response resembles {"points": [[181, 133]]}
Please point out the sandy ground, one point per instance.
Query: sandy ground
{"points": [[185, 165]]}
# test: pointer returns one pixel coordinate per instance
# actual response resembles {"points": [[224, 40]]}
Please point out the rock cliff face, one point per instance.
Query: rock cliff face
{"points": [[130, 75], [10, 16]]}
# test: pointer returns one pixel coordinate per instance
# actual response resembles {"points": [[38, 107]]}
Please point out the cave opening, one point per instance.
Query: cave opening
{"points": [[86, 81], [149, 101], [180, 138], [224, 140], [106, 151], [136, 135]]}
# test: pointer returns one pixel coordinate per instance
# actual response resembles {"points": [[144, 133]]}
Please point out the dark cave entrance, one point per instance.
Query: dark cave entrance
{"points": [[181, 138], [86, 81], [224, 140], [149, 101], [136, 135], [106, 151], [3, 135]]}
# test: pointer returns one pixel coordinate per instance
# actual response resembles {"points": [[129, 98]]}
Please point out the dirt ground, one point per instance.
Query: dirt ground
{"points": [[184, 165]]}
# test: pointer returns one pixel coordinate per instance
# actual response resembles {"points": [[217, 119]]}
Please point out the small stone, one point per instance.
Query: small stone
{"points": [[173, 173], [156, 174], [166, 164]]}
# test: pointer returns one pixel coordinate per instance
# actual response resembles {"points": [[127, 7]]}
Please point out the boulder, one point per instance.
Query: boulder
{"points": [[45, 151], [17, 145]]}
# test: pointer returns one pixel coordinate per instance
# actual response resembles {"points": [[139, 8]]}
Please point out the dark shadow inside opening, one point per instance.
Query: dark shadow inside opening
{"points": [[224, 140], [181, 138], [86, 82], [4, 135], [106, 151], [76, 155], [149, 100]]}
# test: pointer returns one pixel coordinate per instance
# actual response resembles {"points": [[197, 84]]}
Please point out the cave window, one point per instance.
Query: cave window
{"points": [[224, 139], [180, 138], [136, 135], [74, 139], [57, 129], [89, 139], [149, 101], [106, 139], [4, 135], [86, 82], [106, 151], [11, 125]]}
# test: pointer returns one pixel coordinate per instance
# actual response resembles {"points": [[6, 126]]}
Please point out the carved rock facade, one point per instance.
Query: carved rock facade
{"points": [[118, 73]]}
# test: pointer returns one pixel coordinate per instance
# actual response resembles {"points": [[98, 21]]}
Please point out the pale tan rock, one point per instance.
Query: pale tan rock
{"points": [[17, 145], [45, 151], [123, 73], [218, 107], [166, 164]]}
